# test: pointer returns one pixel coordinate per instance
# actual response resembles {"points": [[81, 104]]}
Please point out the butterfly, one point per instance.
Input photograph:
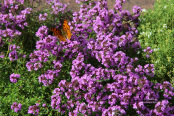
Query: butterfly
{"points": [[63, 33]]}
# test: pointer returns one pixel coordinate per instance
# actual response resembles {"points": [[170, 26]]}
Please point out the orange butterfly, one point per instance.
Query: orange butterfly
{"points": [[63, 33]]}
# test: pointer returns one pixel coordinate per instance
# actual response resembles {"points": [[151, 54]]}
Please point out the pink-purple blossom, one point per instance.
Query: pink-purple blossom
{"points": [[16, 107], [14, 77]]}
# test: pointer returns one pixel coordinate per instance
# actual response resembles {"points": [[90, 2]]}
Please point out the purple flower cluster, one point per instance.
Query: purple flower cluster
{"points": [[14, 77], [42, 32], [57, 6], [148, 51], [13, 55], [46, 47], [162, 108], [116, 83], [16, 107], [48, 77], [12, 16], [34, 109], [43, 16]]}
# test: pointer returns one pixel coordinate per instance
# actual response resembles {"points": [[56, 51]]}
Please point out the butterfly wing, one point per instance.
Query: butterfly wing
{"points": [[63, 33], [66, 29], [58, 33]]}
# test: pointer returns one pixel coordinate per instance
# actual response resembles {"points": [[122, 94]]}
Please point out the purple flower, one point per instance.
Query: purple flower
{"points": [[14, 77], [102, 73], [55, 101], [16, 107], [43, 17], [83, 108], [162, 107], [37, 66], [47, 78], [34, 109], [148, 51], [30, 66], [44, 105], [149, 70], [57, 65], [13, 47], [13, 55], [115, 110], [42, 32], [136, 9]]}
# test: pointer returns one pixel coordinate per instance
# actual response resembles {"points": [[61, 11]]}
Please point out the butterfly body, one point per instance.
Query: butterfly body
{"points": [[63, 33]]}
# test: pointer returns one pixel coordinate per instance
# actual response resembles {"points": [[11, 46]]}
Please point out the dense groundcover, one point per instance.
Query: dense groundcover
{"points": [[100, 71]]}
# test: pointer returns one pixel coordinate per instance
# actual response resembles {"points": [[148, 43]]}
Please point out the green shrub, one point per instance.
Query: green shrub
{"points": [[156, 30], [28, 91]]}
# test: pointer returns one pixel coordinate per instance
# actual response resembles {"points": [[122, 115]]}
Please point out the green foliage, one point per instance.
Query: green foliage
{"points": [[157, 31], [29, 91]]}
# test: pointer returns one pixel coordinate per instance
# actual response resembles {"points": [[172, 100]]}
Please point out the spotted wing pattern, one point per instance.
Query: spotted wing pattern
{"points": [[63, 33]]}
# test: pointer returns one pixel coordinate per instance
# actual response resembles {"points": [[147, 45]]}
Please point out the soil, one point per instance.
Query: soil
{"points": [[146, 4]]}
